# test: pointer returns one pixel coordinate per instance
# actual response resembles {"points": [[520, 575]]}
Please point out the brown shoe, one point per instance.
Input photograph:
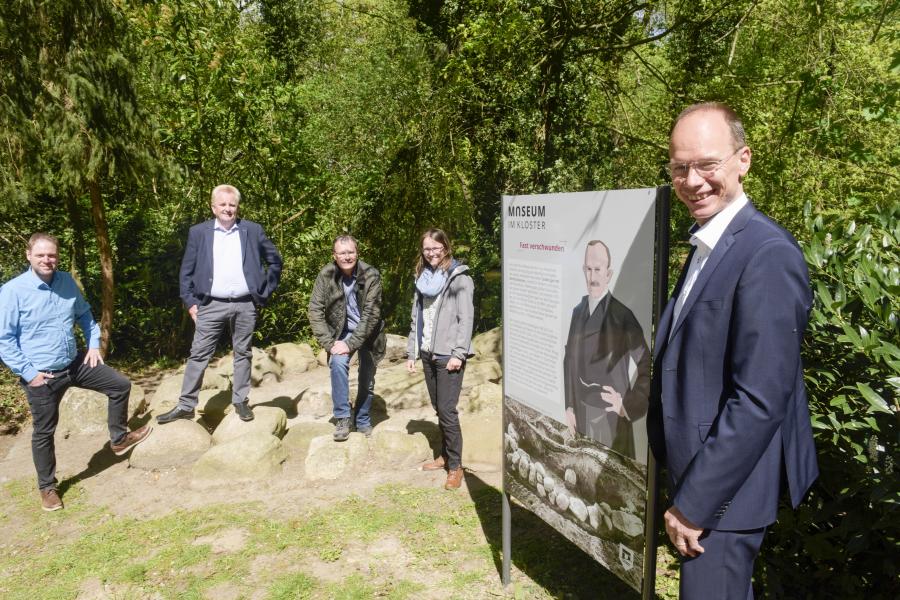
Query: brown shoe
{"points": [[454, 479], [50, 500], [131, 440], [435, 465]]}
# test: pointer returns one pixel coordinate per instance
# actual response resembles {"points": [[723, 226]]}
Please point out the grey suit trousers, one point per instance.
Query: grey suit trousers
{"points": [[212, 319]]}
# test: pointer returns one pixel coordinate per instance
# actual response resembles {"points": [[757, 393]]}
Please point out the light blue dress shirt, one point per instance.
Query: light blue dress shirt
{"points": [[36, 323]]}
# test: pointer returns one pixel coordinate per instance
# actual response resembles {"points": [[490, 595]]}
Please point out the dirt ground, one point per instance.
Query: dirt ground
{"points": [[87, 461]]}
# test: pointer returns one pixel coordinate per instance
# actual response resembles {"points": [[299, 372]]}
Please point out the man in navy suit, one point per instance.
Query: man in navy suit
{"points": [[222, 283], [728, 415]]}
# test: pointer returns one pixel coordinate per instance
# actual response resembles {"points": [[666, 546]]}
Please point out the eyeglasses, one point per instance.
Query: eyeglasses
{"points": [[704, 168], [346, 253]]}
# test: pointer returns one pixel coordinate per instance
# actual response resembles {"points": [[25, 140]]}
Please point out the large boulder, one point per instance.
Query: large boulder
{"points": [[254, 455], [629, 524], [84, 411], [214, 380], [399, 448], [401, 389], [293, 358], [482, 371], [297, 439], [328, 459], [263, 368], [483, 397], [174, 444], [316, 401], [267, 419], [166, 396], [213, 404], [395, 351], [489, 345], [482, 438]]}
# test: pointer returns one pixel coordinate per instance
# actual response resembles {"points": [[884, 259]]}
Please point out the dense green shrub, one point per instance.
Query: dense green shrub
{"points": [[843, 542]]}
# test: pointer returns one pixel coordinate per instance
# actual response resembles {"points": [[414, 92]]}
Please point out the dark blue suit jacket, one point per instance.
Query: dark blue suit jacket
{"points": [[196, 276], [728, 405]]}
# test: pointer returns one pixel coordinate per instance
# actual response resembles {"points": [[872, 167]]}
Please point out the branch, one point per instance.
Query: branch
{"points": [[738, 24]]}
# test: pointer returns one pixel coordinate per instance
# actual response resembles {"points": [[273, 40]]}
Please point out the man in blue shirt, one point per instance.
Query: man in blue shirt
{"points": [[345, 316], [37, 312]]}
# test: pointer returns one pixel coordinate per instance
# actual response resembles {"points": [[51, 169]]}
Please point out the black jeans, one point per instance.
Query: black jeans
{"points": [[443, 388], [44, 404]]}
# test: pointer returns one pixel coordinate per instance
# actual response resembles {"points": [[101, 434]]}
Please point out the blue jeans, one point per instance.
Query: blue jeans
{"points": [[340, 386]]}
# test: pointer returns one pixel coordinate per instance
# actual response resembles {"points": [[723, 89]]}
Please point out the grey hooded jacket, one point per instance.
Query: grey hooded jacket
{"points": [[453, 318]]}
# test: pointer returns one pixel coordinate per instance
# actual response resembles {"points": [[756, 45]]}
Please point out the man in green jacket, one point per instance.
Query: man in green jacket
{"points": [[345, 315]]}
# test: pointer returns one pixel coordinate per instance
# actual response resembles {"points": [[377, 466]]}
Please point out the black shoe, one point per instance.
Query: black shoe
{"points": [[175, 414], [243, 411]]}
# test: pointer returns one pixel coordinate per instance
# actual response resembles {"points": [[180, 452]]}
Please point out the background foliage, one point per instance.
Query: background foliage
{"points": [[384, 117]]}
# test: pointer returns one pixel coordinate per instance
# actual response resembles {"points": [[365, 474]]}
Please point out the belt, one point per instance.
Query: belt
{"points": [[51, 372], [246, 298]]}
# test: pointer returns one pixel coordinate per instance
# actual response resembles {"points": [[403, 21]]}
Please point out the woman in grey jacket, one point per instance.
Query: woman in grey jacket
{"points": [[441, 335]]}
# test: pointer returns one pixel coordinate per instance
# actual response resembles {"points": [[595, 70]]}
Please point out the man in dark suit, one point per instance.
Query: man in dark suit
{"points": [[728, 413], [222, 283], [607, 363]]}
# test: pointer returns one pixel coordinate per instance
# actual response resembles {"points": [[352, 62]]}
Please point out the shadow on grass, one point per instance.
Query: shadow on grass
{"points": [[540, 552]]}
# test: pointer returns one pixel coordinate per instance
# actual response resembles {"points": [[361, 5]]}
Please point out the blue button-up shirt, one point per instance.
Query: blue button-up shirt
{"points": [[36, 323]]}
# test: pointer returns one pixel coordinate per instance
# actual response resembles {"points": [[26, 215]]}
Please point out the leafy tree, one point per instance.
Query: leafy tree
{"points": [[69, 113]]}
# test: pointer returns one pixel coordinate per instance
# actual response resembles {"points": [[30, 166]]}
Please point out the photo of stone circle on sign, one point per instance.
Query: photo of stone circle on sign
{"points": [[593, 496]]}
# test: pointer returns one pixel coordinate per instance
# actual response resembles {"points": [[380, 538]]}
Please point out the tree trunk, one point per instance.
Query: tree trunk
{"points": [[106, 265], [76, 252]]}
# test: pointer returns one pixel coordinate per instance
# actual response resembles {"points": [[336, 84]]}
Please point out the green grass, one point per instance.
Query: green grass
{"points": [[438, 544]]}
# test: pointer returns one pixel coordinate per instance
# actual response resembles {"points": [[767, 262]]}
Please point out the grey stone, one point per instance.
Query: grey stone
{"points": [[542, 492], [593, 516], [483, 397], [481, 371], [523, 467], [549, 483], [578, 508], [489, 344], [214, 380], [399, 447], [562, 501], [293, 358], [571, 478], [174, 444], [165, 398], [401, 389], [395, 351], [267, 420], [328, 459], [263, 368], [255, 455], [316, 402], [86, 412], [297, 439], [214, 404], [627, 523]]}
